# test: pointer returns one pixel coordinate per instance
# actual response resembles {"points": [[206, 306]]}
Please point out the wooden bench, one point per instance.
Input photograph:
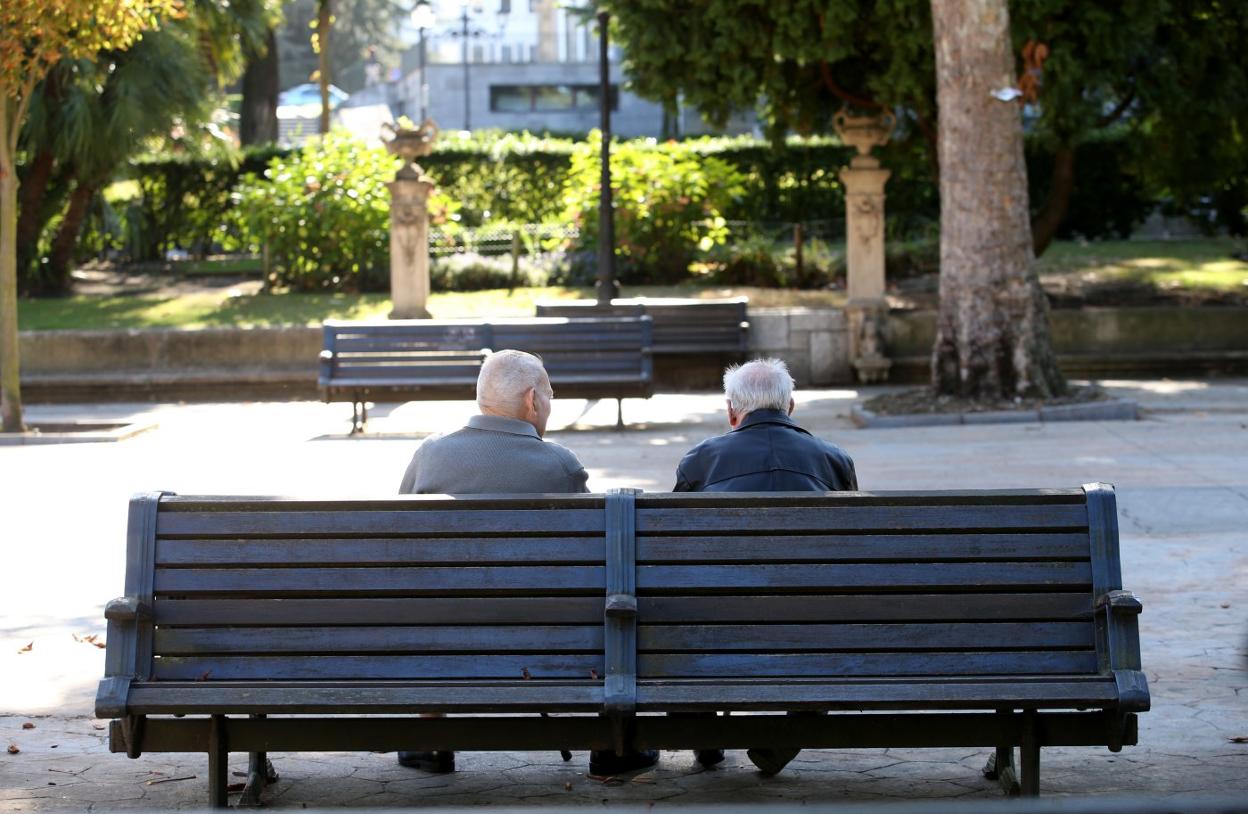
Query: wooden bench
{"points": [[605, 357], [911, 619], [681, 326]]}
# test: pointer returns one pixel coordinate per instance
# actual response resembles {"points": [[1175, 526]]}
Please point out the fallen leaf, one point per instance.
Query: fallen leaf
{"points": [[98, 726], [100, 645], [1238, 739], [567, 787], [91, 638], [28, 725], [593, 674], [53, 746], [524, 673], [1225, 605], [13, 750], [204, 675], [50, 783], [27, 648], [167, 780]]}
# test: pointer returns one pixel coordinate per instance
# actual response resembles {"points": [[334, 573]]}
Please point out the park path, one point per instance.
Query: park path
{"points": [[1182, 479]]}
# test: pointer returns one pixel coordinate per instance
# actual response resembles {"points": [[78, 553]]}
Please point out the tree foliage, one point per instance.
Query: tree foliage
{"points": [[34, 36]]}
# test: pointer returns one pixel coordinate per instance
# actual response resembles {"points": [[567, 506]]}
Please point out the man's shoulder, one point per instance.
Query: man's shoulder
{"points": [[566, 457]]}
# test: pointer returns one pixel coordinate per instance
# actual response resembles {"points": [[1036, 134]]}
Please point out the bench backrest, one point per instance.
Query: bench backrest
{"points": [[680, 326], [571, 349], [710, 588]]}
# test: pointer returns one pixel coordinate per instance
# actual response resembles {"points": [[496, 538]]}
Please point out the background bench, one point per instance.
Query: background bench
{"points": [[606, 357], [681, 326], [973, 619]]}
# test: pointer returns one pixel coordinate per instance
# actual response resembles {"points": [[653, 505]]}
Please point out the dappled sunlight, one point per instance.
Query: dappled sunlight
{"points": [[1163, 387]]}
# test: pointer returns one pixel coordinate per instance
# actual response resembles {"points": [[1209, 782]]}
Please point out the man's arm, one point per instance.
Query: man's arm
{"points": [[408, 485]]}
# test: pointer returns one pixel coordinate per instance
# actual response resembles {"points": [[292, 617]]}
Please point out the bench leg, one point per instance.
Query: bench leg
{"points": [[1000, 766], [260, 773], [1029, 756], [359, 416], [619, 414], [218, 764]]}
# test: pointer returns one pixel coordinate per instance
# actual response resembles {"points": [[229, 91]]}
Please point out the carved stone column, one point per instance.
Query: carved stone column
{"points": [[409, 223], [864, 181]]}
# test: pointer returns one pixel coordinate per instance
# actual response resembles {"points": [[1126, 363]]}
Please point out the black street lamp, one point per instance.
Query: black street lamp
{"points": [[608, 289], [465, 32], [423, 19]]}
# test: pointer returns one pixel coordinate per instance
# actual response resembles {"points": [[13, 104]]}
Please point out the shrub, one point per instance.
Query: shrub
{"points": [[324, 215], [668, 205], [476, 272]]}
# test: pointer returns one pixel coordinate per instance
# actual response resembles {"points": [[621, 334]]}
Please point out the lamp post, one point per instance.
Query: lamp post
{"points": [[465, 33], [608, 289], [423, 19]]}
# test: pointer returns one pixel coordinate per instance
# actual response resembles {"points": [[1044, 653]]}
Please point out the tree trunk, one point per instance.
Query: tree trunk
{"points": [[31, 196], [324, 18], [1062, 184], [10, 362], [61, 256], [257, 122], [992, 338]]}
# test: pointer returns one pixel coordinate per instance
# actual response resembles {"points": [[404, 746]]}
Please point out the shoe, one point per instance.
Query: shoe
{"points": [[771, 761], [435, 762], [605, 762], [708, 757]]}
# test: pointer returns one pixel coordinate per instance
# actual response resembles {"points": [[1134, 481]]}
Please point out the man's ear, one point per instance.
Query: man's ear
{"points": [[530, 400], [792, 404], [733, 418]]}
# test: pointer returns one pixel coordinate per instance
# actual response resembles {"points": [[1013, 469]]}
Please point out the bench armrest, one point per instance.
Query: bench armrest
{"points": [[126, 609], [327, 356], [1120, 602]]}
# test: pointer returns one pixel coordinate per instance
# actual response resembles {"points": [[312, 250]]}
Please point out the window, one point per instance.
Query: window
{"points": [[504, 6], [548, 98]]}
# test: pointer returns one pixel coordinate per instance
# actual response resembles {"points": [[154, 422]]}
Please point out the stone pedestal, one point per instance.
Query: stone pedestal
{"points": [[409, 222], [409, 246], [864, 181]]}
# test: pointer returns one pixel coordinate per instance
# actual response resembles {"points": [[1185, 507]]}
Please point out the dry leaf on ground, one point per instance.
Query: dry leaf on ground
{"points": [[1238, 739], [28, 725], [13, 750], [27, 648]]}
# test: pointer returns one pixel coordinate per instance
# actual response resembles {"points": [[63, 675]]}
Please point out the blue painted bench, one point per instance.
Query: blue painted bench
{"points": [[605, 357], [909, 619], [681, 326]]}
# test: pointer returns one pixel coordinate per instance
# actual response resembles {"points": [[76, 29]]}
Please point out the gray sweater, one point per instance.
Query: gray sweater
{"points": [[493, 455]]}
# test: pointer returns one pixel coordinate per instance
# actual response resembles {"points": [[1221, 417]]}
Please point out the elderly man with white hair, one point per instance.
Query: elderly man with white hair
{"points": [[766, 451], [502, 451]]}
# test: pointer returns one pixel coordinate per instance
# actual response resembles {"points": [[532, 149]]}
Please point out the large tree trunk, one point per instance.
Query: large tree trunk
{"points": [[61, 256], [324, 20], [31, 195], [992, 336], [257, 122], [1061, 185], [10, 367]]}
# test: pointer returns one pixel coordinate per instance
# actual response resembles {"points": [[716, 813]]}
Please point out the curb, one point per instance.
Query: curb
{"points": [[77, 432], [1108, 410]]}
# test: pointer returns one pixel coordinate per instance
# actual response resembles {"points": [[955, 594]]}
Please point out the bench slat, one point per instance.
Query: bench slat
{"points": [[389, 639], [372, 523], [768, 520], [337, 611], [387, 551], [864, 577], [928, 694], [866, 607], [208, 697], [961, 663], [468, 581], [510, 666], [863, 637], [843, 548]]}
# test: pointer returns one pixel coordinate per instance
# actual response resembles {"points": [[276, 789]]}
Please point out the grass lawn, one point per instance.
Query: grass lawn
{"points": [[1192, 265]]}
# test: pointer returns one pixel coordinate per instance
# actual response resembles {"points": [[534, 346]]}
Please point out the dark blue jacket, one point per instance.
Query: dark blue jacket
{"points": [[767, 452]]}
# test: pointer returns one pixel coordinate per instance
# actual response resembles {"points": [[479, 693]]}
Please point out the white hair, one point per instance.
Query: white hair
{"points": [[760, 384], [505, 377]]}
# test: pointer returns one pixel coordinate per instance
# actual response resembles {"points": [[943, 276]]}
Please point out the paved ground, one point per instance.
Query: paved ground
{"points": [[1182, 477]]}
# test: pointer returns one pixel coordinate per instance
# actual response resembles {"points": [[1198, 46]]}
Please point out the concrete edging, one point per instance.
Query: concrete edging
{"points": [[1108, 410]]}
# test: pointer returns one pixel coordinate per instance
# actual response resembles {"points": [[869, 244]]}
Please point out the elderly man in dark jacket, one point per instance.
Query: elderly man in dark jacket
{"points": [[766, 451]]}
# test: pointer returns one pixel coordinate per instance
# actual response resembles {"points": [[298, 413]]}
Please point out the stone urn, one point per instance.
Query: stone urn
{"points": [[409, 144], [864, 133]]}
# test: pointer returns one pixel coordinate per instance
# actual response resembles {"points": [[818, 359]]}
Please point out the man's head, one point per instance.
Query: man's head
{"points": [[763, 384], [513, 384]]}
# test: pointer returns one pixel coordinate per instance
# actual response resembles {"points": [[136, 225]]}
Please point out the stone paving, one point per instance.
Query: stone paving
{"points": [[1182, 478]]}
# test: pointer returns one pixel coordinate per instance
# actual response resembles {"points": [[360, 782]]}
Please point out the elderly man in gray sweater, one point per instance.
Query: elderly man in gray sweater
{"points": [[502, 451]]}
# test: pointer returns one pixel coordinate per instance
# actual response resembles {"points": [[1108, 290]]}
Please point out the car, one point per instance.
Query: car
{"points": [[309, 93]]}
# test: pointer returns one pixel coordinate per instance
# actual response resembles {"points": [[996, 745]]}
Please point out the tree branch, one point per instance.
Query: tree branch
{"points": [[1115, 114], [23, 103]]}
